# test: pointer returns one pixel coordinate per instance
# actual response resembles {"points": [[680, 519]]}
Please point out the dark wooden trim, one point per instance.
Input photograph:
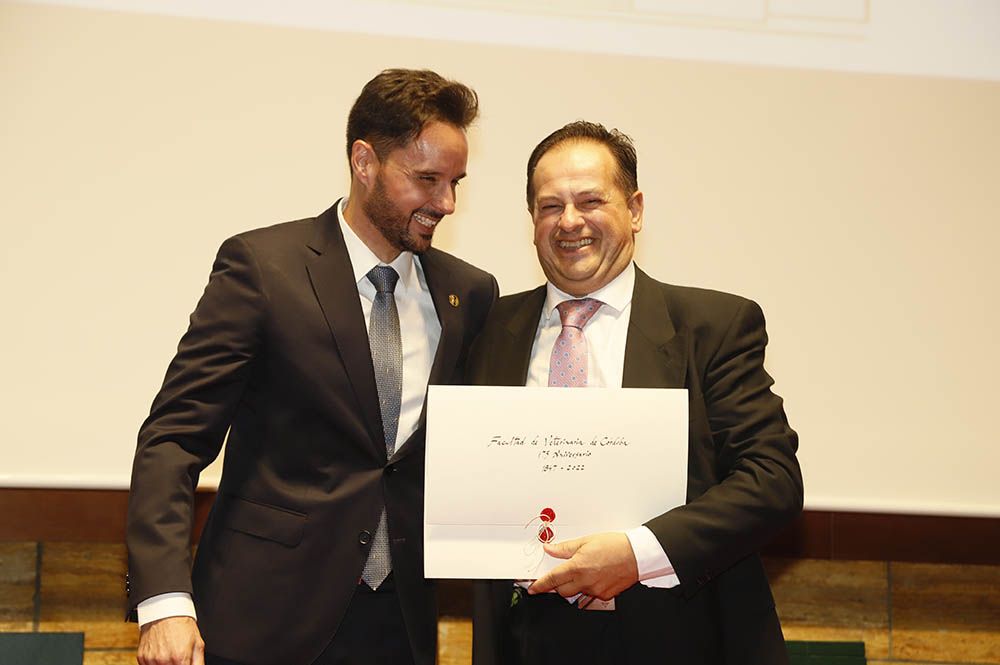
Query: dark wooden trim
{"points": [[928, 538], [99, 516], [890, 537], [808, 537], [66, 515]]}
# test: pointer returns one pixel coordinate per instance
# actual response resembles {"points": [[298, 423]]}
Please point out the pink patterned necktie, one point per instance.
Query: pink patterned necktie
{"points": [[568, 365]]}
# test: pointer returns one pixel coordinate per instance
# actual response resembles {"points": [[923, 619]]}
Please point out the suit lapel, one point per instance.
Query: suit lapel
{"points": [[655, 354], [448, 306], [332, 279], [511, 366]]}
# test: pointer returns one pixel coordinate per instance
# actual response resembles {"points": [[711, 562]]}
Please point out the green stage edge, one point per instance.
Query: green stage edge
{"points": [[826, 653], [41, 648]]}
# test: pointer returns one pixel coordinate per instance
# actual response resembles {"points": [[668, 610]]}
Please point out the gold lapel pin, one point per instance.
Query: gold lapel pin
{"points": [[453, 300]]}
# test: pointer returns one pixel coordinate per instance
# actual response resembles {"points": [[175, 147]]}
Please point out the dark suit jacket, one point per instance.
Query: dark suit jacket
{"points": [[277, 353], [744, 482]]}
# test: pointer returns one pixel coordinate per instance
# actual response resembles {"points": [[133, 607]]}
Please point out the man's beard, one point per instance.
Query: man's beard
{"points": [[390, 222]]}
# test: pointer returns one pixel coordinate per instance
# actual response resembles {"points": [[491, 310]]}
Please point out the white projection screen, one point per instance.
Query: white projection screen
{"points": [[836, 160]]}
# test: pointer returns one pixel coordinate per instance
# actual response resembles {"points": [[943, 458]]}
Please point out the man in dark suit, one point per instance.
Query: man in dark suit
{"points": [[313, 345], [687, 586]]}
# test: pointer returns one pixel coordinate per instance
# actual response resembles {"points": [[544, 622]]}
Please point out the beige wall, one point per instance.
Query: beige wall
{"points": [[860, 210]]}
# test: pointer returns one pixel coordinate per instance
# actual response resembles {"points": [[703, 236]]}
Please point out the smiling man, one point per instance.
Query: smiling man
{"points": [[687, 586], [312, 346]]}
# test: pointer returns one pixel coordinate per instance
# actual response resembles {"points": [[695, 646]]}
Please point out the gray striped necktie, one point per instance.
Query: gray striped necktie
{"points": [[387, 359]]}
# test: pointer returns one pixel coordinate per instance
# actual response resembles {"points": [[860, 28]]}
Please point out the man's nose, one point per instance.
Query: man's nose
{"points": [[445, 202], [571, 219]]}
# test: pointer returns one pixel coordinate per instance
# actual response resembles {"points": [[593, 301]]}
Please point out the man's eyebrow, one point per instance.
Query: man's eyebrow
{"points": [[437, 173]]}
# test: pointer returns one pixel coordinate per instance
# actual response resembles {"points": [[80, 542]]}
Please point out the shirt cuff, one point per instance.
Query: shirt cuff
{"points": [[655, 569], [173, 604]]}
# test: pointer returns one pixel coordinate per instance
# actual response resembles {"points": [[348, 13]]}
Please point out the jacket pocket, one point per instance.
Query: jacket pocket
{"points": [[264, 521]]}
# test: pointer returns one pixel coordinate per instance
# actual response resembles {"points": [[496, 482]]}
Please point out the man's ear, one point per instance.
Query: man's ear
{"points": [[364, 162], [635, 205]]}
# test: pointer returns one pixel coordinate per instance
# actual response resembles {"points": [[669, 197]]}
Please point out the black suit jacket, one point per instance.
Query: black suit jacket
{"points": [[277, 353], [744, 482]]}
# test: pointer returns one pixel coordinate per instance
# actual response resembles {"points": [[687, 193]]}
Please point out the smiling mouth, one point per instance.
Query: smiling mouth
{"points": [[575, 244], [426, 221]]}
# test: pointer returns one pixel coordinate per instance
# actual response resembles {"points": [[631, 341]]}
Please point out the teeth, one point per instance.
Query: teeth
{"points": [[575, 244], [429, 222]]}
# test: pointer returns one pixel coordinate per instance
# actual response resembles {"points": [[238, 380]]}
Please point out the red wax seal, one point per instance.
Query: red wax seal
{"points": [[545, 534], [547, 515]]}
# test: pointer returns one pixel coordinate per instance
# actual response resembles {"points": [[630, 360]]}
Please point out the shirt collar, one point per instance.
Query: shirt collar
{"points": [[616, 294], [363, 259]]}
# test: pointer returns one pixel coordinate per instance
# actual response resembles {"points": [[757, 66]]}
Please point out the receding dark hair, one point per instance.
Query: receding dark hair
{"points": [[619, 143], [395, 106]]}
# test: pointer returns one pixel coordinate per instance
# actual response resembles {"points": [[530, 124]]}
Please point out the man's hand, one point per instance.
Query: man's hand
{"points": [[601, 566], [171, 641]]}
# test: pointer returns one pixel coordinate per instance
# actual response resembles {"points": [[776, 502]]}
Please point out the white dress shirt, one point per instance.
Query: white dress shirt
{"points": [[606, 334], [419, 328], [420, 332]]}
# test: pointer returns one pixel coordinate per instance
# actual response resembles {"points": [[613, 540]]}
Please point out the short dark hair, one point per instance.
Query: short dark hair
{"points": [[618, 143], [394, 107]]}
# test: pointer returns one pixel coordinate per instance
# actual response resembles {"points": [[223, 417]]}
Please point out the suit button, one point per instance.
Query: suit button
{"points": [[364, 537], [390, 469]]}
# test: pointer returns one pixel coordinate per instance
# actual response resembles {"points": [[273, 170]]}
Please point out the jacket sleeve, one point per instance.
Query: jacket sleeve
{"points": [[759, 483], [188, 422]]}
